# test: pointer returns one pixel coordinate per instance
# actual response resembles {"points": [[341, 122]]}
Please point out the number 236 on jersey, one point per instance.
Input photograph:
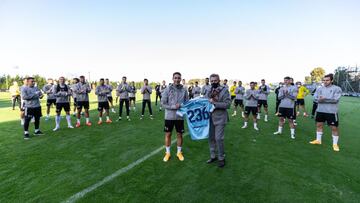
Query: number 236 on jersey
{"points": [[197, 112]]}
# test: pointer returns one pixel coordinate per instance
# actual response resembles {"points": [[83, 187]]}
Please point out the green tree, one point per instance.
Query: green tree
{"points": [[317, 74]]}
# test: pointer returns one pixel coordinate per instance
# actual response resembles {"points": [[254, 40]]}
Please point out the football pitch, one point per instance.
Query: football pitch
{"points": [[261, 167]]}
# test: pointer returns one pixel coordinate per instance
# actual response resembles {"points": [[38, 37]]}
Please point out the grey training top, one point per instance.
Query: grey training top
{"points": [[31, 96], [331, 97], [264, 92], [48, 90], [62, 93], [146, 92], [102, 92], [251, 97], [196, 91], [82, 91], [239, 92], [287, 96], [171, 96], [123, 91]]}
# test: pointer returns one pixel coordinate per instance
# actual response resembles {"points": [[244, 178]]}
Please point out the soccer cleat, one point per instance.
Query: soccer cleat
{"points": [[26, 136], [234, 114], [293, 137], [166, 157], [119, 119], [258, 117], [99, 122], [211, 160], [256, 128], [316, 142], [38, 133], [128, 118], [305, 115], [141, 117], [77, 125], [221, 163], [70, 126], [180, 156], [244, 126], [108, 121], [151, 117], [113, 110], [47, 118], [88, 124], [336, 147], [56, 128], [277, 133], [295, 123]]}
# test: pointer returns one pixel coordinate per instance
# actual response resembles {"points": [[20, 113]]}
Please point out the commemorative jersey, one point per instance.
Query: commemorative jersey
{"points": [[197, 113]]}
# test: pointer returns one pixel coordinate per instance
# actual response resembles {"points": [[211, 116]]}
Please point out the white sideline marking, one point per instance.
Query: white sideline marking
{"points": [[109, 178]]}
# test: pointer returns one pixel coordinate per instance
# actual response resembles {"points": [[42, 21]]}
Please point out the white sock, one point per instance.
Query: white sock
{"points": [[107, 118], [292, 131], [47, 115], [245, 123], [68, 119], [167, 149], [57, 120], [37, 130], [335, 139], [26, 132], [178, 149], [87, 120], [280, 129], [234, 112], [266, 116], [318, 136], [78, 120], [255, 125], [100, 119], [113, 109]]}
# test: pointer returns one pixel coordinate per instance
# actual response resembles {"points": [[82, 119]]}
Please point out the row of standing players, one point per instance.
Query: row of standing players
{"points": [[327, 96]]}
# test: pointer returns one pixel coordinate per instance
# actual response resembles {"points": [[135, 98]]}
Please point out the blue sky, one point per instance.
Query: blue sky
{"points": [[247, 40]]}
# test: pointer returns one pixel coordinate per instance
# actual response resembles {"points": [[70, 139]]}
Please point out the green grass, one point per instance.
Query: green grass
{"points": [[53, 167]]}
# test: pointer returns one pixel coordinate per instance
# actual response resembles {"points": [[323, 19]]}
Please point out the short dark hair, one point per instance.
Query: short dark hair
{"points": [[206, 78], [226, 80], [146, 79], [77, 79], [176, 73], [252, 83], [30, 78], [107, 79], [215, 75], [124, 77], [262, 80], [330, 75], [82, 76], [101, 79], [196, 82], [287, 78]]}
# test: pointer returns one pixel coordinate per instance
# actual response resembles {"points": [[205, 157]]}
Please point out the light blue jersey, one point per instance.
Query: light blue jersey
{"points": [[197, 113]]}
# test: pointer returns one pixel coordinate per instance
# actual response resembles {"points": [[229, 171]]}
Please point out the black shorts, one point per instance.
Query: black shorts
{"points": [[60, 106], [110, 99], [33, 112], [300, 102], [233, 97], [103, 105], [239, 102], [286, 113], [81, 104], [332, 119], [262, 103], [251, 109], [50, 101], [179, 126], [132, 99]]}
